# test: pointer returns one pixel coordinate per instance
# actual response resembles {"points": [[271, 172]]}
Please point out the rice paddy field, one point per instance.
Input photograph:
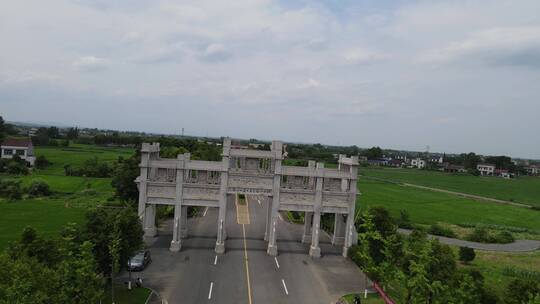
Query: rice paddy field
{"points": [[524, 189], [71, 198]]}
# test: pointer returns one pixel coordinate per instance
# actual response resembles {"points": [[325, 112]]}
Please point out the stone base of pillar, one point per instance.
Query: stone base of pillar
{"points": [[345, 252], [265, 237], [175, 246], [220, 248], [272, 250], [150, 232], [315, 252], [183, 233], [338, 240], [306, 238]]}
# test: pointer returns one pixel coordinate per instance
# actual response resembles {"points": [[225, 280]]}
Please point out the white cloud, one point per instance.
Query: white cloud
{"points": [[508, 45], [215, 52], [310, 83], [335, 63], [14, 77], [90, 64], [362, 56]]}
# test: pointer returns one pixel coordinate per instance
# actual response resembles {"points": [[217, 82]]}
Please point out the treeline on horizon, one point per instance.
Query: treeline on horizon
{"points": [[54, 136]]}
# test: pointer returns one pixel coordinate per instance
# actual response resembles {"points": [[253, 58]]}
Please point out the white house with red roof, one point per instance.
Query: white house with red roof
{"points": [[18, 146]]}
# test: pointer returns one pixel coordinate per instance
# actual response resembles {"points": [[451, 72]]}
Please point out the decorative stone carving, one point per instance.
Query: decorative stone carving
{"points": [[161, 191]]}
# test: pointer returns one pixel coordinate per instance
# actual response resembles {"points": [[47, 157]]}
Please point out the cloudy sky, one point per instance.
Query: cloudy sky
{"points": [[457, 75]]}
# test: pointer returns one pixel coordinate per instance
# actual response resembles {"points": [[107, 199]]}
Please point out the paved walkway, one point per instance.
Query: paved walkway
{"points": [[517, 246]]}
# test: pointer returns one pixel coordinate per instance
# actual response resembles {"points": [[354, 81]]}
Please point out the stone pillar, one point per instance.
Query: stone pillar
{"points": [[339, 230], [350, 230], [184, 223], [315, 250], [221, 234], [268, 219], [176, 243], [143, 180], [277, 149], [308, 219], [150, 221]]}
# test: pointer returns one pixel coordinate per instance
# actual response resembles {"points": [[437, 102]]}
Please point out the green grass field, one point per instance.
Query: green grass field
{"points": [[76, 154], [524, 189], [124, 296], [492, 265], [429, 207], [72, 195]]}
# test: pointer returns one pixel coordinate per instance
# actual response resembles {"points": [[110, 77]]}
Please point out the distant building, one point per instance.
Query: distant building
{"points": [[438, 159], [396, 162], [378, 162], [503, 173], [453, 168], [21, 147], [418, 163], [533, 170], [362, 159], [486, 169]]}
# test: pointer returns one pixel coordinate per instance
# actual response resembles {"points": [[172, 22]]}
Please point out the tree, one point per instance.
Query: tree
{"points": [[404, 220], [42, 137], [466, 254], [53, 132], [38, 270], [519, 291], [123, 179], [100, 222], [73, 133], [2, 129], [373, 153]]}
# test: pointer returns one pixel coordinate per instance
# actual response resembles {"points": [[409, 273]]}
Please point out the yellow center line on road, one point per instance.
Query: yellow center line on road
{"points": [[242, 218], [247, 264]]}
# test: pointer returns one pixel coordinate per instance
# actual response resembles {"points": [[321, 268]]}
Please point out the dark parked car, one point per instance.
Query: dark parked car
{"points": [[139, 261]]}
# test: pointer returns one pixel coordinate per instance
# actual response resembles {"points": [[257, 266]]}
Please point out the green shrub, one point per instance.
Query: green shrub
{"points": [[466, 254], [437, 229], [11, 189], [504, 237], [41, 162], [16, 167], [525, 274], [39, 188], [404, 220], [479, 234], [482, 235], [519, 290], [494, 227]]}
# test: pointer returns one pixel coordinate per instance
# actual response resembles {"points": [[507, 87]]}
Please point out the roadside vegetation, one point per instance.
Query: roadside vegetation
{"points": [[414, 269]]}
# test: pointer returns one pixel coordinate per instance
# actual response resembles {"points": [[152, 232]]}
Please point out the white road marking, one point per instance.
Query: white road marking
{"points": [[259, 201], [205, 210], [210, 291], [277, 263], [215, 260], [279, 215], [285, 286]]}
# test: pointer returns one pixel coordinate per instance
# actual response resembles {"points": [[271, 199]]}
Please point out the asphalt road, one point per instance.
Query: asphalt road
{"points": [[245, 273]]}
